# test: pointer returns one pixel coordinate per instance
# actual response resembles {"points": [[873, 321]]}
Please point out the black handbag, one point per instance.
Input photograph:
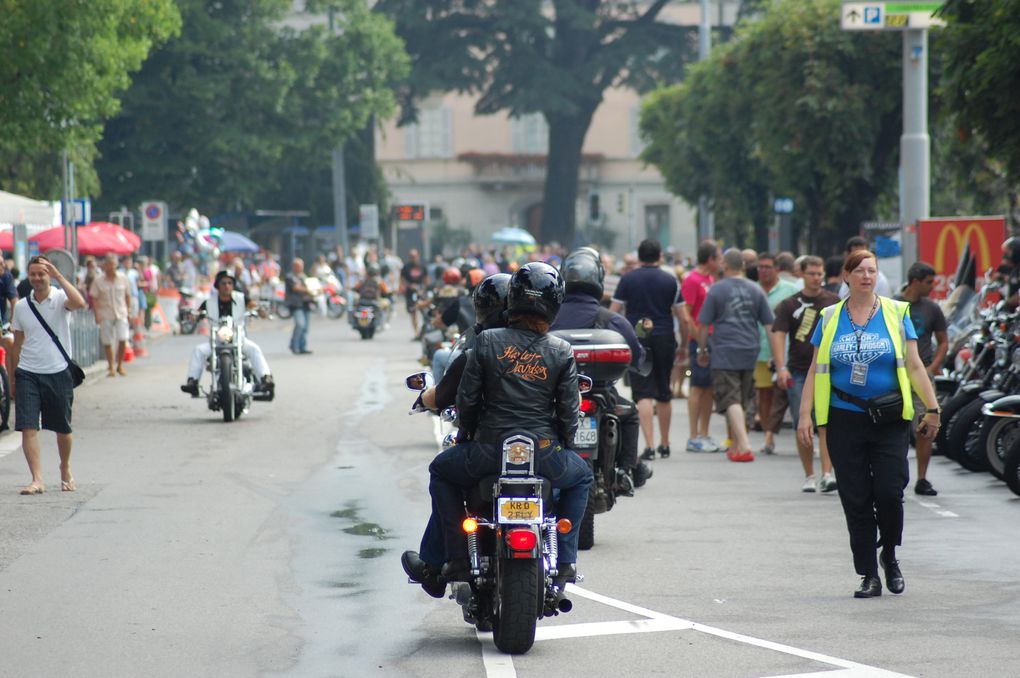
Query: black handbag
{"points": [[885, 409], [77, 373]]}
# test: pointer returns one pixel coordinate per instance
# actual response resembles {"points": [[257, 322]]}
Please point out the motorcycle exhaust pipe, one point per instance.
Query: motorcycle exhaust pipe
{"points": [[556, 603], [564, 605]]}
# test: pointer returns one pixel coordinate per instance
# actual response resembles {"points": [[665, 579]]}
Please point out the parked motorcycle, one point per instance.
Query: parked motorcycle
{"points": [[187, 313], [512, 532], [604, 356]]}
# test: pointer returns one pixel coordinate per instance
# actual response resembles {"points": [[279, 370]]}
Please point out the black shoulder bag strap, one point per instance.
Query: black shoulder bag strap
{"points": [[49, 331]]}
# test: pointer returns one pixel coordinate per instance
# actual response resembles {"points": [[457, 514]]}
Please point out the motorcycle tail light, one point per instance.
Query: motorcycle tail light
{"points": [[563, 525], [588, 405], [521, 540], [470, 526]]}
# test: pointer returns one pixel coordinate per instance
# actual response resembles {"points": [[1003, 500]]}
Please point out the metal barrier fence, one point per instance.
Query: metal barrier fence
{"points": [[85, 345]]}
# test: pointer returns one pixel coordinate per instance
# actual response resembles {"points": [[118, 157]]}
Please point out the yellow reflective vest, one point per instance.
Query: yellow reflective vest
{"points": [[893, 313]]}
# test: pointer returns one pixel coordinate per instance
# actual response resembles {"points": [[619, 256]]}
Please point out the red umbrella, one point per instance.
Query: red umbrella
{"points": [[97, 238], [7, 240]]}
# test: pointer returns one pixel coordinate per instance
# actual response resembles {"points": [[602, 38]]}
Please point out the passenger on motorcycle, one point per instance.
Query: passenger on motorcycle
{"points": [[232, 303], [373, 288], [515, 378], [584, 275]]}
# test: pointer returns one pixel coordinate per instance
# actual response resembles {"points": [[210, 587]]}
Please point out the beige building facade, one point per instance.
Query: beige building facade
{"points": [[482, 173]]}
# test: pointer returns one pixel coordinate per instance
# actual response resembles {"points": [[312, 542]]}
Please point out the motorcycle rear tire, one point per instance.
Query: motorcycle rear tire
{"points": [[963, 436], [1011, 467], [949, 413], [5, 400], [586, 533], [996, 439], [227, 403], [335, 311], [283, 312], [520, 589]]}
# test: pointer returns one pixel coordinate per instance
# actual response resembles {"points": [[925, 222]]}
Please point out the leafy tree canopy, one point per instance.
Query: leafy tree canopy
{"points": [[794, 105], [530, 56], [64, 66], [238, 108]]}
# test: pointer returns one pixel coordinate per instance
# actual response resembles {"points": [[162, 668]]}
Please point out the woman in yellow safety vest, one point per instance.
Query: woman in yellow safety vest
{"points": [[865, 364]]}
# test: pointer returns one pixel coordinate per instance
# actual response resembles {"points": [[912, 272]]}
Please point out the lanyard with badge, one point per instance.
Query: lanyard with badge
{"points": [[859, 368]]}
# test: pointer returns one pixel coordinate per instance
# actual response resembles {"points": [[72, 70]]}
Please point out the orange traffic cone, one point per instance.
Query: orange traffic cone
{"points": [[138, 339], [129, 353]]}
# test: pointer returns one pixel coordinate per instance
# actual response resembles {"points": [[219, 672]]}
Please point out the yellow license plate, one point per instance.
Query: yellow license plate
{"points": [[520, 510], [364, 322]]}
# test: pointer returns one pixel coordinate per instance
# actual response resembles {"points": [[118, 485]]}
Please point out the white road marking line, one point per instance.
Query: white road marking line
{"points": [[614, 628], [497, 664], [933, 507]]}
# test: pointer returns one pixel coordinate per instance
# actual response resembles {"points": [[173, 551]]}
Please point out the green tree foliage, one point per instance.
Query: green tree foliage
{"points": [[64, 66], [980, 80], [240, 112], [797, 107], [528, 56]]}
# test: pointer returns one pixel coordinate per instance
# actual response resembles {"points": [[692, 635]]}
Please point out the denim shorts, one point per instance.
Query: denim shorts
{"points": [[45, 397], [701, 377]]}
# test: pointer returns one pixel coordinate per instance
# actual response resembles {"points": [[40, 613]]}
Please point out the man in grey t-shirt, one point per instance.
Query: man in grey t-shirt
{"points": [[734, 307]]}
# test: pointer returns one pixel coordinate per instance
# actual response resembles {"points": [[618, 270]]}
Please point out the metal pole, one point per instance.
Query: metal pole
{"points": [[67, 198], [915, 144], [706, 225], [339, 200], [74, 228]]}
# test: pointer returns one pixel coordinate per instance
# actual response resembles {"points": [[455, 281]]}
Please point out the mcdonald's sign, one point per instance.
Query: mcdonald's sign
{"points": [[941, 242]]}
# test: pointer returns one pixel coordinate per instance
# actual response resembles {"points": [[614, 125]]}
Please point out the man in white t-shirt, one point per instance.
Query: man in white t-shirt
{"points": [[43, 388]]}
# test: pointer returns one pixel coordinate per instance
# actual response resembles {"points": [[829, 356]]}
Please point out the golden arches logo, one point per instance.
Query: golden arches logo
{"points": [[961, 238]]}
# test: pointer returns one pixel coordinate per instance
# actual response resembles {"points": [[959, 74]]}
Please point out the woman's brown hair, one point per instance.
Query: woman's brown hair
{"points": [[533, 322], [854, 259]]}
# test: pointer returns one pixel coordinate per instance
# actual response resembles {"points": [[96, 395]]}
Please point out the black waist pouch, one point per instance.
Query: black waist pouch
{"points": [[885, 409]]}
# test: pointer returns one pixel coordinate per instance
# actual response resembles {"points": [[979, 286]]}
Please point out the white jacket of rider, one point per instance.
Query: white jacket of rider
{"points": [[212, 309]]}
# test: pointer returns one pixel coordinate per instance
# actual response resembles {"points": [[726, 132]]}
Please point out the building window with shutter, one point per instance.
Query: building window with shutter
{"points": [[431, 136], [530, 134]]}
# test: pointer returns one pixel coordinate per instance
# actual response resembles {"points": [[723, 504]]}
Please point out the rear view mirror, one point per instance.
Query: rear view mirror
{"points": [[419, 381], [584, 383]]}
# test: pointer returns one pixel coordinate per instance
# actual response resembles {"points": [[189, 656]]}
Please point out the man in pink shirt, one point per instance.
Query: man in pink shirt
{"points": [[699, 402]]}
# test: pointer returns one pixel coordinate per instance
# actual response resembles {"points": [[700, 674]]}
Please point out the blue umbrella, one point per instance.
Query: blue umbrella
{"points": [[235, 242], [513, 236]]}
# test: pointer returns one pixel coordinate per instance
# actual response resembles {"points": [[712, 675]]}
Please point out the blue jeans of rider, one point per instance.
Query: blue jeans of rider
{"points": [[462, 466], [441, 359], [299, 337]]}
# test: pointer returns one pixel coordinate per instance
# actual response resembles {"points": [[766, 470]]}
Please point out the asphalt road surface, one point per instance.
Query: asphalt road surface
{"points": [[270, 547]]}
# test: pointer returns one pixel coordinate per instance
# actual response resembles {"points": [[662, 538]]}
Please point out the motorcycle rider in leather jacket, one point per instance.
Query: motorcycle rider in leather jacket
{"points": [[518, 377], [584, 274]]}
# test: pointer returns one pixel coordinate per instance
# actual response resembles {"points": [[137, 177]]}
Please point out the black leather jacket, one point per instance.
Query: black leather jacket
{"points": [[537, 391]]}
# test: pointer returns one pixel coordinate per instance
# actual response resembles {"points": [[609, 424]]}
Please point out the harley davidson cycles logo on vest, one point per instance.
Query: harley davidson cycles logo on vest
{"points": [[527, 366]]}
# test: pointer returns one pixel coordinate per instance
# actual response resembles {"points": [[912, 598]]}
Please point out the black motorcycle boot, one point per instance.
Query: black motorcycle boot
{"points": [[566, 573], [642, 472], [266, 389], [458, 569], [871, 587], [420, 572], [191, 387], [625, 483]]}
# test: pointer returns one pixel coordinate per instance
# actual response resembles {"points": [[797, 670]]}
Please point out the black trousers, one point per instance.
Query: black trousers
{"points": [[871, 467]]}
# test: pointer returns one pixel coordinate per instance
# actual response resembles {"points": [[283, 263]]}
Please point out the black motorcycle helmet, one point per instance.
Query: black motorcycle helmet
{"points": [[536, 288], [583, 272], [490, 298], [1011, 250]]}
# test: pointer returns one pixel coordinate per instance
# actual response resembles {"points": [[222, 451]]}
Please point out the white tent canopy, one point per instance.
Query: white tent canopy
{"points": [[17, 209]]}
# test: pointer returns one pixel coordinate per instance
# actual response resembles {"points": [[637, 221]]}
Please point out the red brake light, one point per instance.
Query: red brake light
{"points": [[603, 355], [588, 405], [521, 540]]}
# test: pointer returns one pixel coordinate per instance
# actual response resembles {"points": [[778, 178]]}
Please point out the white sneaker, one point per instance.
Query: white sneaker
{"points": [[809, 484], [708, 444], [828, 483]]}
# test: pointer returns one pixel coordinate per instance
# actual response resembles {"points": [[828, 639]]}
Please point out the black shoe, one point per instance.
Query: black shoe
{"points": [[925, 488], [458, 569], [642, 472], [566, 573], [624, 483], [664, 451], [893, 577], [422, 573], [648, 454], [304, 351], [871, 587], [191, 387]]}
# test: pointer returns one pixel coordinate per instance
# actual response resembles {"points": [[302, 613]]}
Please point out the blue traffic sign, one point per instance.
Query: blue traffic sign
{"points": [[783, 206], [873, 15]]}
